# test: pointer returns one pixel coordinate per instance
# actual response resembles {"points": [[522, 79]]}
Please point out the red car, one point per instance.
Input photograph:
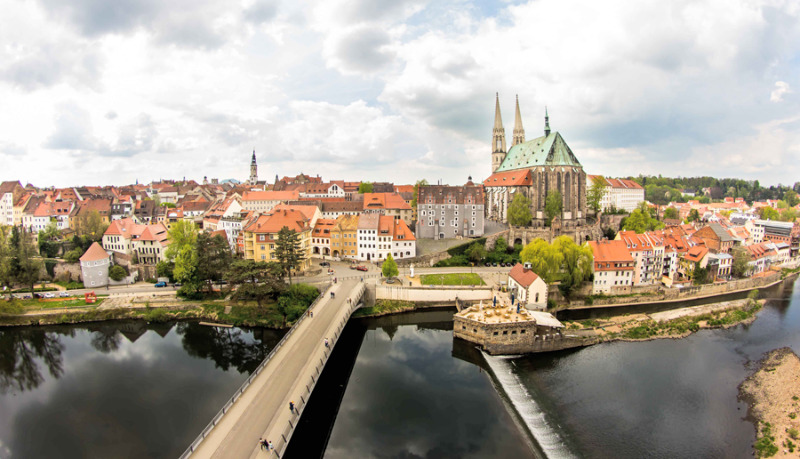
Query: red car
{"points": [[361, 268]]}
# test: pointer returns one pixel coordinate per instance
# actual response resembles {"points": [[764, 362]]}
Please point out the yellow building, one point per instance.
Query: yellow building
{"points": [[344, 237], [261, 235]]}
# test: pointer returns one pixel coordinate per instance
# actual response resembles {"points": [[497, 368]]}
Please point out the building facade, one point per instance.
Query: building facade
{"points": [[449, 211]]}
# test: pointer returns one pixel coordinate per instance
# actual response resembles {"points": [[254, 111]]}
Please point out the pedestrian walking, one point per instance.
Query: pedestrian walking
{"points": [[311, 313], [271, 447], [291, 407], [326, 343], [263, 444]]}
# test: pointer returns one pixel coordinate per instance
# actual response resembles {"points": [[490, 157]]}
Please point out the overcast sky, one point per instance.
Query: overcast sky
{"points": [[107, 92]]}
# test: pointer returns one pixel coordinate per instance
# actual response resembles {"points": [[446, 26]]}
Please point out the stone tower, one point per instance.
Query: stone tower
{"points": [[519, 132], [498, 137], [253, 170]]}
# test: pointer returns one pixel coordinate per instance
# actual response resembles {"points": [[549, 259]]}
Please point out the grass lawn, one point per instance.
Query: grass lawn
{"points": [[35, 305], [452, 279]]}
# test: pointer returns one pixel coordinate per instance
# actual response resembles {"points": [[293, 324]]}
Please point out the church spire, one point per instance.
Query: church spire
{"points": [[498, 137], [253, 170], [546, 122], [519, 132]]}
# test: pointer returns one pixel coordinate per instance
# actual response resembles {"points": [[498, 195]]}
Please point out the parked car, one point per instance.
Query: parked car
{"points": [[63, 294], [361, 268], [494, 264], [160, 284], [49, 295], [324, 263], [353, 267], [488, 265]]}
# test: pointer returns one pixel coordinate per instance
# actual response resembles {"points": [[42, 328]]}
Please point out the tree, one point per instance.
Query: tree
{"points": [[519, 211], [28, 268], [90, 226], [117, 273], [475, 252], [552, 206], [48, 240], [213, 258], [576, 263], [166, 269], [545, 259], [287, 250], [700, 275], [419, 183], [389, 267], [254, 281], [791, 198], [768, 213], [693, 216], [182, 234], [740, 264], [788, 215], [671, 213], [74, 255], [595, 193], [365, 187], [295, 301], [641, 221], [6, 255]]}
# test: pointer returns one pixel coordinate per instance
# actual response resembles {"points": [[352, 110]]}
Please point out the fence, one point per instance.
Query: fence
{"points": [[287, 433], [215, 420]]}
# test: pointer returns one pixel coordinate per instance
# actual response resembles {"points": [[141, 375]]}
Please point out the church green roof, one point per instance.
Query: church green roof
{"points": [[549, 150]]}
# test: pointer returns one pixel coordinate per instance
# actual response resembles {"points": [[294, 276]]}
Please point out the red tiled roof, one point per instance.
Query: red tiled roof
{"points": [[521, 177], [402, 232], [274, 222], [610, 252], [95, 253], [522, 276]]}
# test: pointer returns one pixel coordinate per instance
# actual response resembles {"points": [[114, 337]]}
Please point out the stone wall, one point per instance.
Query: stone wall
{"points": [[424, 260], [579, 234], [514, 337], [611, 221], [433, 294], [492, 240], [74, 270]]}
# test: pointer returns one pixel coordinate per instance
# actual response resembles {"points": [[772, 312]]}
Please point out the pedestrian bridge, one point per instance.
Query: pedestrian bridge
{"points": [[260, 408]]}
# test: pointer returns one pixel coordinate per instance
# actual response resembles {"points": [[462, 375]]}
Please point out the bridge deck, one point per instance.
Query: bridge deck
{"points": [[262, 411]]}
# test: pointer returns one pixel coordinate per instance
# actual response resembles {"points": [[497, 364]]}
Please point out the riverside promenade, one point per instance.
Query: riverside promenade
{"points": [[288, 374]]}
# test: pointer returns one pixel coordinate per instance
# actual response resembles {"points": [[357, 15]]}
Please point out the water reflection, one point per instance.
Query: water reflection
{"points": [[22, 352], [121, 389]]}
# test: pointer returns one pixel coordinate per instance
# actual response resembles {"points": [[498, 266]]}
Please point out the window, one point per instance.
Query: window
{"points": [[495, 333], [505, 332], [522, 332]]}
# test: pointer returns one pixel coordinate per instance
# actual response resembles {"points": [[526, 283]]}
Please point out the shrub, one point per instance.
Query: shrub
{"points": [[117, 273], [73, 256], [458, 260], [10, 307], [793, 433]]}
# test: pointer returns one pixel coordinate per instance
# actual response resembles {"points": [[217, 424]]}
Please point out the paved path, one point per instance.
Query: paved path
{"points": [[263, 408]]}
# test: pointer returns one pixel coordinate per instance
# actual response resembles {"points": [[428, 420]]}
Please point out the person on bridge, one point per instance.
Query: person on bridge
{"points": [[263, 443], [326, 343], [271, 447], [291, 407]]}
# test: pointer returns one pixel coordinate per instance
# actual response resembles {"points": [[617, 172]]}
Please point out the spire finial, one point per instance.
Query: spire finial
{"points": [[546, 122], [498, 120], [519, 132]]}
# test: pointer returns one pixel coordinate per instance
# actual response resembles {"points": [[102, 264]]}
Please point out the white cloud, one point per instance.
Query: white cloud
{"points": [[781, 88]]}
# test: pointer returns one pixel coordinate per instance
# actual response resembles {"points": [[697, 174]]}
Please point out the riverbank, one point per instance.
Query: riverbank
{"points": [[773, 393], [678, 323]]}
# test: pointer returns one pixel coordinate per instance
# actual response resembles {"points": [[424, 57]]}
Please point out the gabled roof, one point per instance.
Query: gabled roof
{"points": [[696, 253], [274, 222], [9, 186], [610, 251], [549, 150], [510, 178], [522, 276], [385, 201], [95, 253], [402, 232]]}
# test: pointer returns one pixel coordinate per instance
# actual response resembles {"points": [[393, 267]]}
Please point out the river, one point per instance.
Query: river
{"points": [[407, 389], [396, 386], [118, 389]]}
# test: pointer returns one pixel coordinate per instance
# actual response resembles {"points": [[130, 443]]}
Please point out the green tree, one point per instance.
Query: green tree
{"points": [[48, 240], [254, 281], [287, 250], [186, 266], [295, 301], [28, 268], [90, 226], [788, 215], [419, 183], [475, 252], [740, 264], [519, 211], [700, 275], [389, 267], [545, 259], [365, 187], [182, 234], [791, 198], [552, 206], [166, 269], [576, 263], [670, 213], [641, 221], [213, 258], [595, 193], [694, 216], [6, 255], [768, 213], [74, 255], [117, 273]]}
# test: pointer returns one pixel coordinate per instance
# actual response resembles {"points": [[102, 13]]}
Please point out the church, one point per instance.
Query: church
{"points": [[535, 168]]}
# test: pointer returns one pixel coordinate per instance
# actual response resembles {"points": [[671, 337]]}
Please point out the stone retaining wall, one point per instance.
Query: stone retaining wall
{"points": [[433, 294]]}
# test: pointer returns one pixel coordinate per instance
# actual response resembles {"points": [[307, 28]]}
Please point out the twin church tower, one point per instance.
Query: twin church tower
{"points": [[499, 133]]}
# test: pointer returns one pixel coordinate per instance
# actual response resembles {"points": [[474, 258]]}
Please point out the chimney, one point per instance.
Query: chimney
{"points": [[527, 266]]}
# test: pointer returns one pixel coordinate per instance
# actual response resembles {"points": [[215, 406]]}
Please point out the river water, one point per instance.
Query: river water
{"points": [[396, 386], [407, 389], [118, 389]]}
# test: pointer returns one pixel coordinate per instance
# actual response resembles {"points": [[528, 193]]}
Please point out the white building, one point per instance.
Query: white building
{"points": [[264, 201], [7, 202], [95, 264], [619, 193], [528, 288]]}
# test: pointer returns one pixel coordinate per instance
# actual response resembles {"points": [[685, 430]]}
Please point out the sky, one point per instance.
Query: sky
{"points": [[96, 92]]}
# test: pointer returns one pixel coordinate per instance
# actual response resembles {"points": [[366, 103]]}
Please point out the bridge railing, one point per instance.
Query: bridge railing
{"points": [[215, 420], [288, 431]]}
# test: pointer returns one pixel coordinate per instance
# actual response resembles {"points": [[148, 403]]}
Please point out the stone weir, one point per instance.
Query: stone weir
{"points": [[506, 330]]}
